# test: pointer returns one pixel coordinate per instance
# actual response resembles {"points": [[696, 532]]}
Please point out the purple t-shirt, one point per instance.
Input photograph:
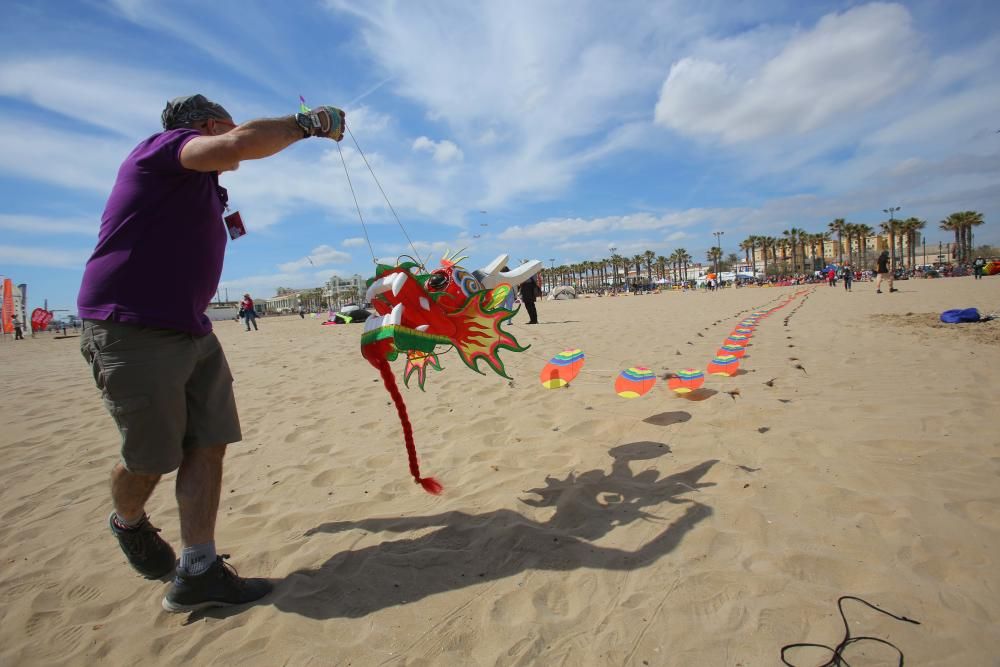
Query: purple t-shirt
{"points": [[159, 252]]}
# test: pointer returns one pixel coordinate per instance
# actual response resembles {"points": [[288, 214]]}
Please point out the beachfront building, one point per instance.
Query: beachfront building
{"points": [[341, 291], [288, 300]]}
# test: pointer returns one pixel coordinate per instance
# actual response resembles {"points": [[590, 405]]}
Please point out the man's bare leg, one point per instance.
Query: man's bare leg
{"points": [[199, 485], [129, 492], [201, 580]]}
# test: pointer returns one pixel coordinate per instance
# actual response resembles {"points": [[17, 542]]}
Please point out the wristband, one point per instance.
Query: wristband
{"points": [[308, 123]]}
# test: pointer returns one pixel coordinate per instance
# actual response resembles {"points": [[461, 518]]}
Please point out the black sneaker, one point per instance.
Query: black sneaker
{"points": [[218, 586], [893, 289], [146, 551]]}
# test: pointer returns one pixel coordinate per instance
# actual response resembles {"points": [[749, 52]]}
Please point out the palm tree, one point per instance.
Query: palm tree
{"points": [[649, 257], [616, 259], [910, 228], [864, 233], [746, 245], [682, 262], [838, 227], [851, 231], [891, 227], [765, 245], [714, 256], [661, 266], [974, 219], [790, 238], [819, 240], [961, 224], [782, 245]]}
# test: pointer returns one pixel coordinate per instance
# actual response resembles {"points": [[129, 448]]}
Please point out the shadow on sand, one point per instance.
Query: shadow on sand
{"points": [[452, 550]]}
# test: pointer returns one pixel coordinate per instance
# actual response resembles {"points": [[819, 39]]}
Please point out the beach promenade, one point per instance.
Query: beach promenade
{"points": [[857, 452]]}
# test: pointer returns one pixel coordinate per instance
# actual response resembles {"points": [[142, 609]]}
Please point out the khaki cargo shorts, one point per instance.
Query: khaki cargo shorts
{"points": [[168, 391]]}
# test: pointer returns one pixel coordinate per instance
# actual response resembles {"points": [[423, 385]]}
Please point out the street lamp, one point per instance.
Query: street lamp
{"points": [[892, 223], [718, 247]]}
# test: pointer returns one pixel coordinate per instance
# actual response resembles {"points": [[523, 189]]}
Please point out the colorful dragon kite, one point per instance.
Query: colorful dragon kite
{"points": [[417, 312]]}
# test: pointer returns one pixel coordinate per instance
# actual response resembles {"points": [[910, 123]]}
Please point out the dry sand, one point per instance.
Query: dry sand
{"points": [[860, 456]]}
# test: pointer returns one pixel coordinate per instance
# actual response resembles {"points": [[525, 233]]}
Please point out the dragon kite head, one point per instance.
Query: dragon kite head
{"points": [[448, 306]]}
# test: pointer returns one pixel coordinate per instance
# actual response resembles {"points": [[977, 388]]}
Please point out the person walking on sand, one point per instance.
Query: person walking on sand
{"points": [[18, 332], [529, 291], [882, 269], [249, 314], [848, 275], [160, 369], [977, 268]]}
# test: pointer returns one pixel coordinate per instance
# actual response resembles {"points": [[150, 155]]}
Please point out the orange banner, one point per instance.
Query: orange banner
{"points": [[8, 306]]}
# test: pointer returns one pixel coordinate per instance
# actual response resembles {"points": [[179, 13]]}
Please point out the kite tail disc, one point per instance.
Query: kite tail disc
{"points": [[429, 484]]}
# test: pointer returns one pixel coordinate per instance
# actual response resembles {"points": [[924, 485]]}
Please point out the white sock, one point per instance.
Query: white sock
{"points": [[197, 558]]}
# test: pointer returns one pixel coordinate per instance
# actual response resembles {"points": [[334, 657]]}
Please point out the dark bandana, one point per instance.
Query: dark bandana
{"points": [[185, 111]]}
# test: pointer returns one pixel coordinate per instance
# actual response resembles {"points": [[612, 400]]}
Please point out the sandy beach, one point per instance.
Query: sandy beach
{"points": [[856, 453]]}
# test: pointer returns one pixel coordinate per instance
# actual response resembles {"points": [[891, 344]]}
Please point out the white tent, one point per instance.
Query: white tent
{"points": [[562, 292]]}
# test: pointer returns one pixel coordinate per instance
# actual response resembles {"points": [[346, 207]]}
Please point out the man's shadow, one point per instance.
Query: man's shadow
{"points": [[453, 550]]}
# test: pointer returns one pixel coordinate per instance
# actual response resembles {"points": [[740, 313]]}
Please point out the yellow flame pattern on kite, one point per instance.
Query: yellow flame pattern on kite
{"points": [[480, 336]]}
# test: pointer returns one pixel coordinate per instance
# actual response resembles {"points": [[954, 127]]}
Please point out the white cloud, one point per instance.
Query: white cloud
{"points": [[319, 256], [124, 100], [847, 63], [40, 152], [33, 224], [442, 151], [43, 257]]}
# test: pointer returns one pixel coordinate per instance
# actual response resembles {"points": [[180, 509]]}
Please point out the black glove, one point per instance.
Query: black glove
{"points": [[327, 122]]}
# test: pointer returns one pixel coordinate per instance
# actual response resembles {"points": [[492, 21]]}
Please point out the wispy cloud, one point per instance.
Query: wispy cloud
{"points": [[42, 256], [320, 256], [847, 63], [33, 224]]}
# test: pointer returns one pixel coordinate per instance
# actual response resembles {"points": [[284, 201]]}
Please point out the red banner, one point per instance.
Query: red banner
{"points": [[7, 316], [40, 319]]}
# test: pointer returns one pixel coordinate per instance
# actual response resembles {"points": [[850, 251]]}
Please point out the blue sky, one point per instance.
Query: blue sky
{"points": [[543, 129]]}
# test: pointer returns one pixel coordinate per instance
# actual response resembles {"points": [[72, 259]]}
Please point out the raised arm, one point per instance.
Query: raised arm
{"points": [[221, 149]]}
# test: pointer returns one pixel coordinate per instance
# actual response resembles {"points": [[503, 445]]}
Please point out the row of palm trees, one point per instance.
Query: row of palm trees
{"points": [[614, 270], [795, 251]]}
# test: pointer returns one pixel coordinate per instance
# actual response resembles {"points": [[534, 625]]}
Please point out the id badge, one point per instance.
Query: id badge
{"points": [[234, 223]]}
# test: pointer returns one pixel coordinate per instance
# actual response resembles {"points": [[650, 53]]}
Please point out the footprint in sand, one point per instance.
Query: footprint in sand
{"points": [[83, 593]]}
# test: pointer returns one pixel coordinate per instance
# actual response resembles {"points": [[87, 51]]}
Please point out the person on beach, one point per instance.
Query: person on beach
{"points": [[883, 272], [977, 267], [18, 332], [162, 373], [529, 291], [249, 314], [848, 275]]}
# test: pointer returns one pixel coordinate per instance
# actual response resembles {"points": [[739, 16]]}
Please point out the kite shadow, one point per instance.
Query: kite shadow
{"points": [[454, 550], [668, 418], [698, 395]]}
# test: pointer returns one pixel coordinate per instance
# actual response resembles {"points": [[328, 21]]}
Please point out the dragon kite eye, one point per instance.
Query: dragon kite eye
{"points": [[437, 281]]}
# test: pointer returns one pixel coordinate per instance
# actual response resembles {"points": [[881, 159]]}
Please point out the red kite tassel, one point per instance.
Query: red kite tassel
{"points": [[430, 484]]}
